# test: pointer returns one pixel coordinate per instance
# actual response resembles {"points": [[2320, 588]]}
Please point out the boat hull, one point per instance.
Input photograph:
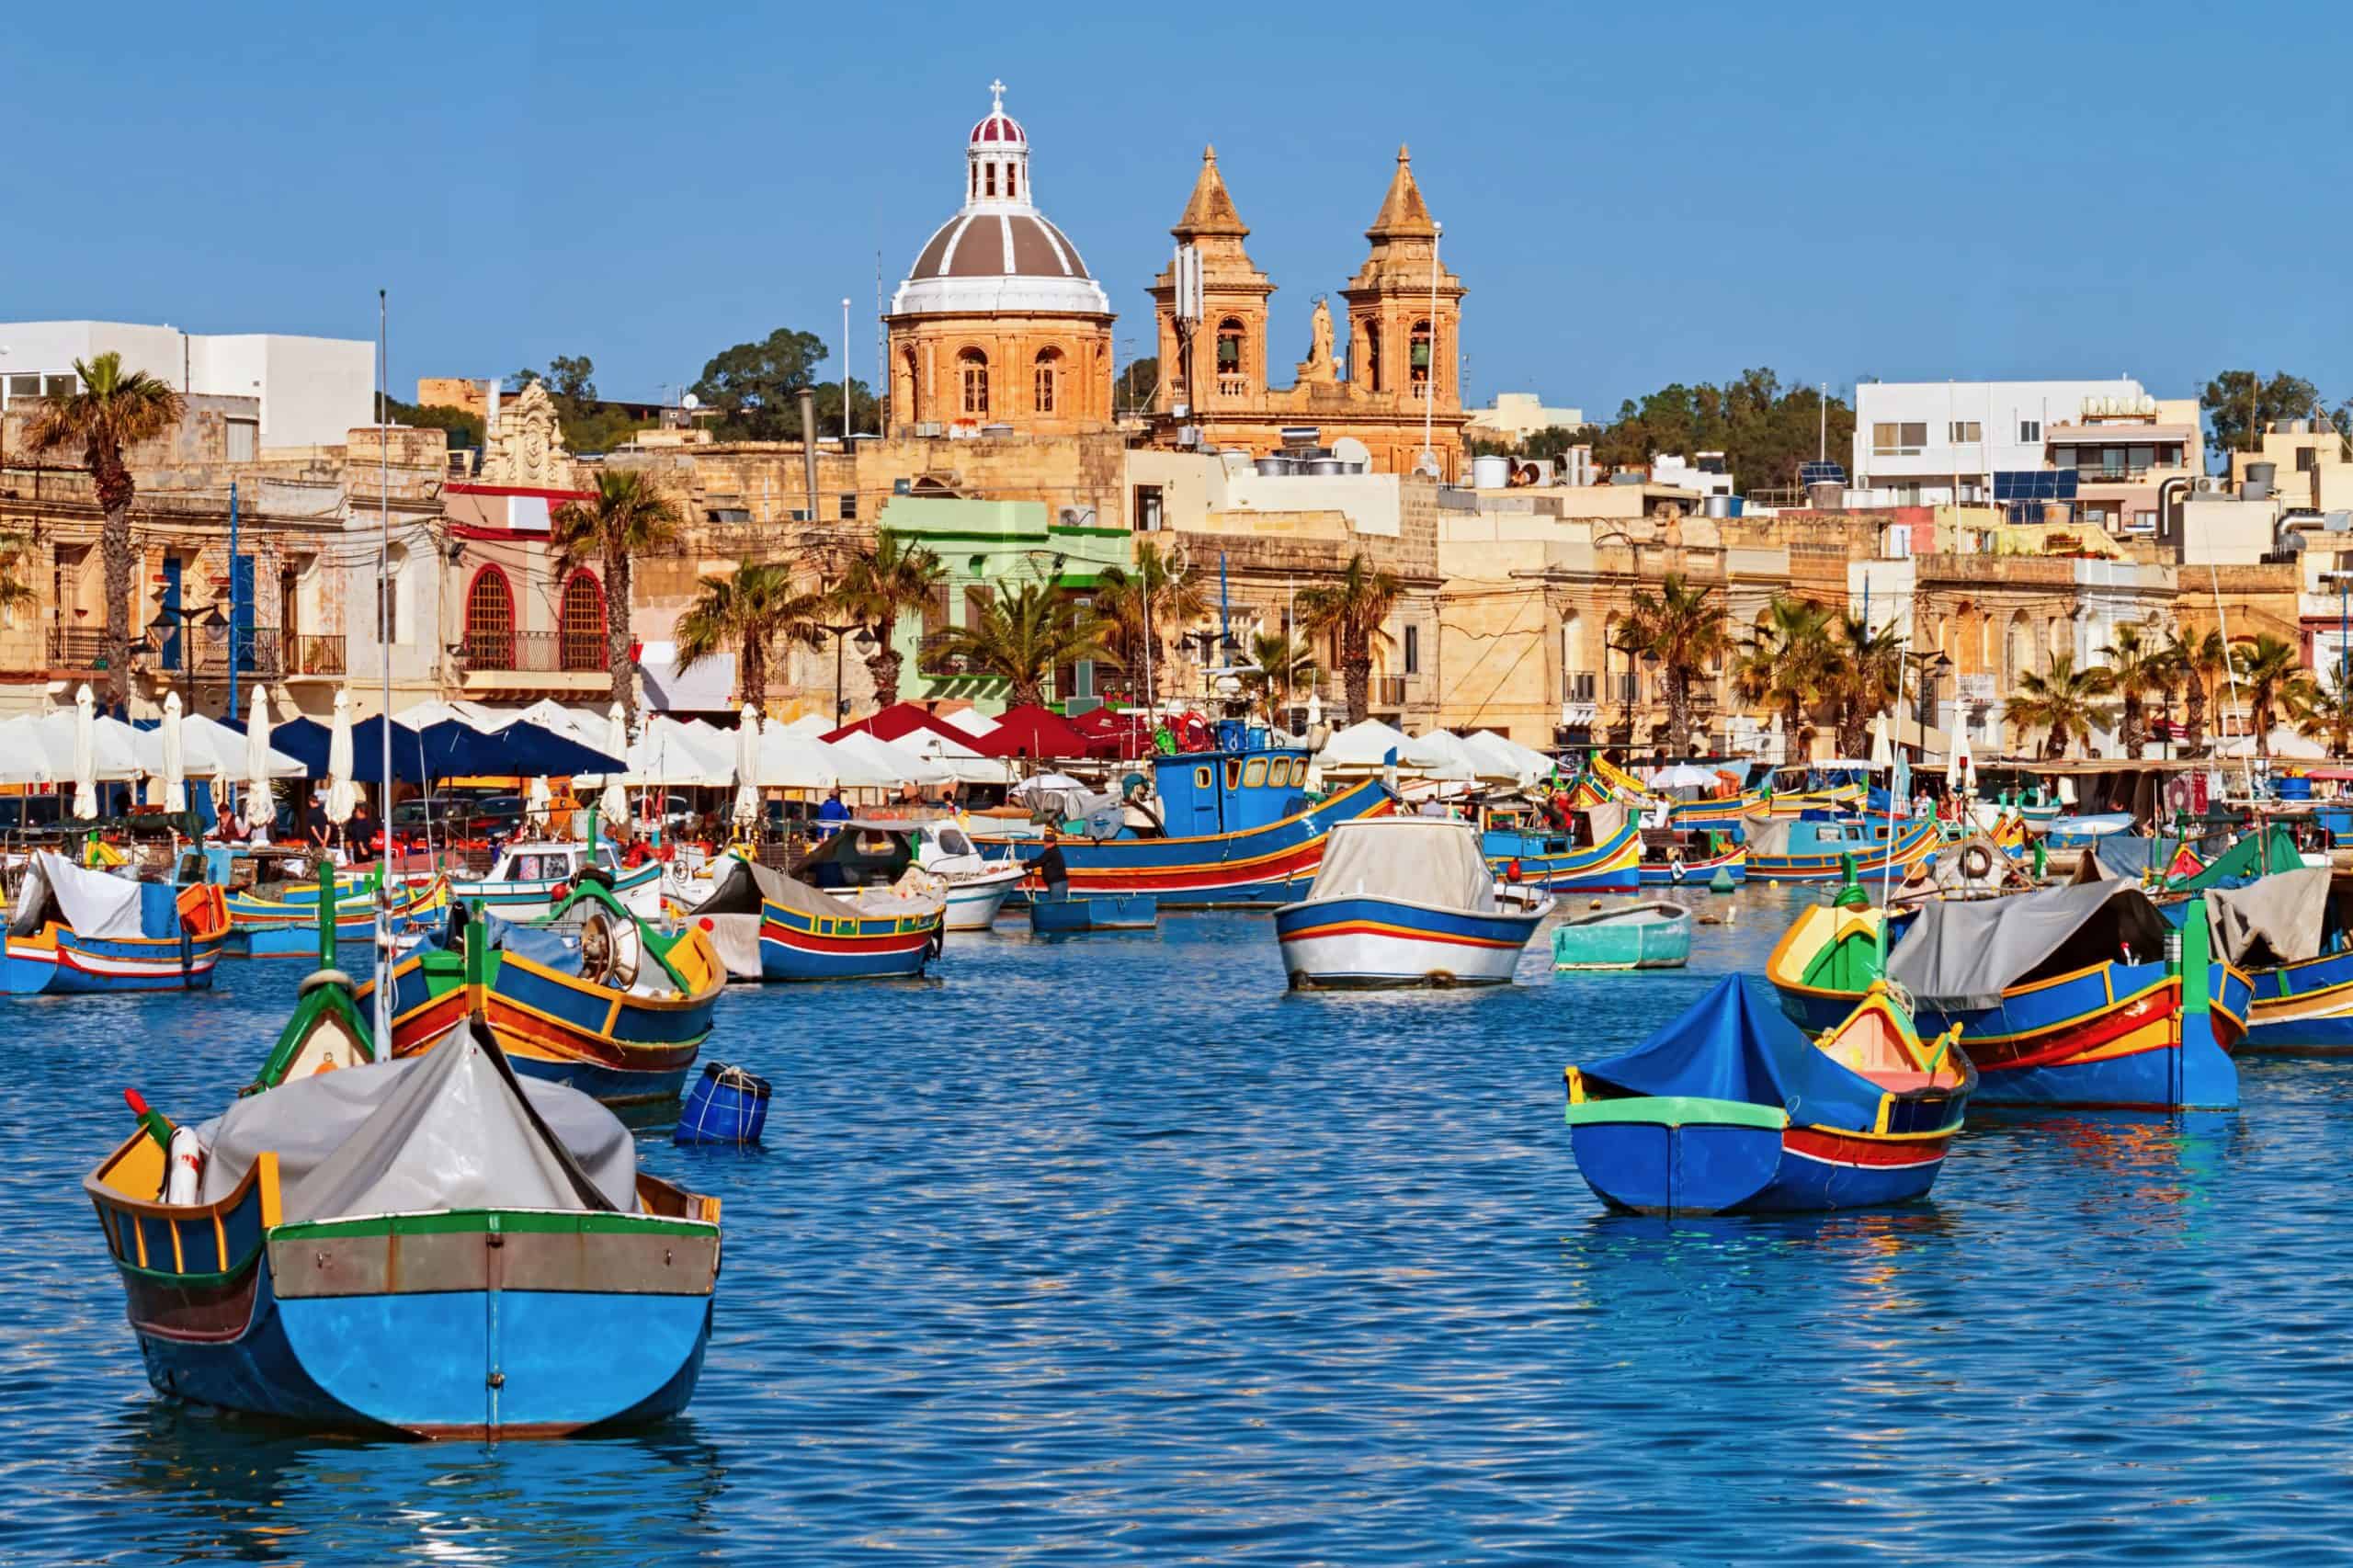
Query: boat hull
{"points": [[1269, 865], [1061, 916], [974, 905], [2112, 1036], [2303, 1009], [58, 961], [797, 946], [1549, 861], [639, 889], [1699, 1156], [1623, 944], [1734, 863], [1911, 843], [1362, 942]]}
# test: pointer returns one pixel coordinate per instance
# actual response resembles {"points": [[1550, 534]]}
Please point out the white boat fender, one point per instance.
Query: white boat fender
{"points": [[187, 1156]]}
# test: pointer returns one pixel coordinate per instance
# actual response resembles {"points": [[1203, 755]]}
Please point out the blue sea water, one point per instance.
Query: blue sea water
{"points": [[1112, 1251]]}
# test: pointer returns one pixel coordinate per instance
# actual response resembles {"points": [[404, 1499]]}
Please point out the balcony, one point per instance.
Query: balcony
{"points": [[490, 651], [77, 648], [1579, 685], [1234, 386], [308, 653], [1389, 691]]}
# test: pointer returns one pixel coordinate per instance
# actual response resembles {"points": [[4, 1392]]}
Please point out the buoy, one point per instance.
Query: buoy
{"points": [[1594, 903], [1721, 881]]}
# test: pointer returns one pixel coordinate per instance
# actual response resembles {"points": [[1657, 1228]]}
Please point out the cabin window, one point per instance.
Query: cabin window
{"points": [[1254, 776], [1233, 773], [1201, 778]]}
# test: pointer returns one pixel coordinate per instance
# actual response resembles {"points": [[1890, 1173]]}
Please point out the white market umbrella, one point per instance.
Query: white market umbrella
{"points": [[748, 768], [85, 755], [343, 796], [1883, 745], [908, 766], [1042, 783], [1462, 763], [261, 808], [808, 727], [614, 806], [1685, 775], [175, 771]]}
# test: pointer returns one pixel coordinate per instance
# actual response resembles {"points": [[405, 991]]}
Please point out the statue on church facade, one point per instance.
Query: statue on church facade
{"points": [[1318, 365]]}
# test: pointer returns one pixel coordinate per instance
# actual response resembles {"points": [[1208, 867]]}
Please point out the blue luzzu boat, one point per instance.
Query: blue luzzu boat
{"points": [[1584, 849], [328, 1263], [874, 933], [1406, 901], [1680, 858], [1814, 849], [2289, 937], [75, 930], [1232, 825], [1731, 1109]]}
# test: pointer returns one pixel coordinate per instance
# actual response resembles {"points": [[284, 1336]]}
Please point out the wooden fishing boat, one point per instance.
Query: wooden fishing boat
{"points": [[75, 930], [431, 1246], [874, 935], [1057, 912], [1817, 850], [1597, 850], [530, 879], [262, 926], [1230, 826], [1678, 856], [614, 1009], [1654, 933], [872, 852], [1406, 901], [1730, 1109], [2048, 1016], [2288, 932]]}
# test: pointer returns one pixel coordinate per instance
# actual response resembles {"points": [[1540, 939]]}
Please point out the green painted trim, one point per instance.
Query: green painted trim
{"points": [[1676, 1111], [1074, 531], [512, 1222], [244, 1266]]}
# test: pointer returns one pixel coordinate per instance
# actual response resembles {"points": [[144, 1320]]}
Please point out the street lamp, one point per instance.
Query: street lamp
{"points": [[1211, 643], [177, 614], [2342, 579], [866, 644], [1933, 665]]}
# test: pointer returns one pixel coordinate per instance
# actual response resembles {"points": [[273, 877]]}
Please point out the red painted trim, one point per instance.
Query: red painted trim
{"points": [[457, 489]]}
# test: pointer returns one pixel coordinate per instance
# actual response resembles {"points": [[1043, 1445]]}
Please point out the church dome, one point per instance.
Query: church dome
{"points": [[998, 254]]}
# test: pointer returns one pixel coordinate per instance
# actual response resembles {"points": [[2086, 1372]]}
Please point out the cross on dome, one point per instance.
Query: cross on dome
{"points": [[996, 93]]}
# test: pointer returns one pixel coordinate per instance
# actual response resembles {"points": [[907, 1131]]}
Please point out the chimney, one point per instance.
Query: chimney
{"points": [[809, 445]]}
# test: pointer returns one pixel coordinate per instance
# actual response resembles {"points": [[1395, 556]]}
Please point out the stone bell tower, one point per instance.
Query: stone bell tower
{"points": [[1230, 349], [1404, 308]]}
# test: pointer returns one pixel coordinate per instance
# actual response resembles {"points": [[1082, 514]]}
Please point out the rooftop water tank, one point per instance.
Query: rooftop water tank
{"points": [[1490, 474]]}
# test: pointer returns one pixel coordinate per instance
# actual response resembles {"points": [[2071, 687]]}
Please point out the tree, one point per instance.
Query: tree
{"points": [[2326, 711], [1023, 638], [464, 429], [1178, 599], [881, 582], [1764, 429], [1785, 666], [2061, 701], [827, 400], [755, 386], [1277, 666], [1136, 385], [2271, 679], [2240, 405], [1682, 626], [2195, 659], [2136, 667], [114, 410], [1865, 671], [627, 517], [1350, 609], [751, 609]]}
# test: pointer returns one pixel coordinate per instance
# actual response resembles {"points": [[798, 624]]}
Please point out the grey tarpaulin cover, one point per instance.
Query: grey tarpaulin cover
{"points": [[880, 904], [441, 1131], [2277, 919], [1769, 837], [1418, 859], [1962, 955], [737, 885]]}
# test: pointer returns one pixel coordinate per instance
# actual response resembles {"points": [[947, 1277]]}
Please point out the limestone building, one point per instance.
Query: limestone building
{"points": [[997, 325], [1401, 380]]}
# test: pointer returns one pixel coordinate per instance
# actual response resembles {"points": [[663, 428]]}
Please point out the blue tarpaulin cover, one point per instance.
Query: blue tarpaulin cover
{"points": [[1727, 1046]]}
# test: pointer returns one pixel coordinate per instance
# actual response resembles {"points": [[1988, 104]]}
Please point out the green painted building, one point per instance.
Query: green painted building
{"points": [[988, 547]]}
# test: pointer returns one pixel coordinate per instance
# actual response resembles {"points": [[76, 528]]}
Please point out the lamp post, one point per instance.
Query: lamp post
{"points": [[1933, 665], [177, 614], [1211, 643], [866, 645]]}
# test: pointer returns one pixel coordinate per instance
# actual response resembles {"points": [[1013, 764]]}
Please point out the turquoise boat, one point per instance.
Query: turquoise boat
{"points": [[1654, 933]]}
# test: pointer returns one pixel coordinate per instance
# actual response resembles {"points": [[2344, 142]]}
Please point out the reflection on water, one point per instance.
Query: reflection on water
{"points": [[1118, 1249]]}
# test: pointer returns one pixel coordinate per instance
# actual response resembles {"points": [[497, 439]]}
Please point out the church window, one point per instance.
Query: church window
{"points": [[990, 179], [583, 635], [1012, 184], [975, 368], [1422, 355], [1373, 357], [490, 621], [976, 179], [1048, 372], [1229, 347]]}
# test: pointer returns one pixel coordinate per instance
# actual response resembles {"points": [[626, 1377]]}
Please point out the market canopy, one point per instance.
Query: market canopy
{"points": [[1033, 732], [38, 748], [450, 748], [1372, 744], [209, 749], [896, 722], [901, 764]]}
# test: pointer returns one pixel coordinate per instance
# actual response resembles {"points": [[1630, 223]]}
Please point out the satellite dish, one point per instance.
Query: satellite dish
{"points": [[690, 403]]}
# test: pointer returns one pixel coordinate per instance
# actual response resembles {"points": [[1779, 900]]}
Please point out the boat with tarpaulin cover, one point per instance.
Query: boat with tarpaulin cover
{"points": [[1731, 1108], [2292, 936], [872, 934], [75, 930], [1406, 901], [937, 858], [1814, 849]]}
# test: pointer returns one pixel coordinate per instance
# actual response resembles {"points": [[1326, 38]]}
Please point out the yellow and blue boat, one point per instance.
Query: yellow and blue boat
{"points": [[1815, 849], [75, 931], [872, 934], [1596, 849]]}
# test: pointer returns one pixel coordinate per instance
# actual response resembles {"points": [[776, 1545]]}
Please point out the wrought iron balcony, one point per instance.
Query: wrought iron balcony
{"points": [[490, 650]]}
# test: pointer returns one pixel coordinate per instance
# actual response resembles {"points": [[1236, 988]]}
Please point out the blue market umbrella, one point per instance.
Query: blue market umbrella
{"points": [[306, 741]]}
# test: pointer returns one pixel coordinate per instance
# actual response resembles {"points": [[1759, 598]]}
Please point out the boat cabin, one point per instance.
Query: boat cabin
{"points": [[876, 851], [1542, 831], [550, 862], [1246, 782]]}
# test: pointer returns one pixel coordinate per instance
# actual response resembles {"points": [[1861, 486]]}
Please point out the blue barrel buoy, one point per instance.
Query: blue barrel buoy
{"points": [[727, 1105]]}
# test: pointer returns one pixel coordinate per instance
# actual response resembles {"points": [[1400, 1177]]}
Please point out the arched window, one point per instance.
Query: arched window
{"points": [[583, 622], [490, 621], [975, 368], [1229, 347], [1424, 356], [1372, 358], [1012, 180], [1046, 379], [2021, 648], [989, 179], [902, 390]]}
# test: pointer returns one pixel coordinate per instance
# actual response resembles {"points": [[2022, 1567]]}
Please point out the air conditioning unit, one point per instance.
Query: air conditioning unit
{"points": [[1188, 435], [1076, 517], [2208, 485], [929, 429]]}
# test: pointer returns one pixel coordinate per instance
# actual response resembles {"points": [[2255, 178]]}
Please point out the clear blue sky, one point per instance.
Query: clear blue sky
{"points": [[1633, 194]]}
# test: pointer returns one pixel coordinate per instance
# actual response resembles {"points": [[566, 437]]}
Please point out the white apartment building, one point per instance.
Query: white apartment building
{"points": [[313, 390], [1935, 443]]}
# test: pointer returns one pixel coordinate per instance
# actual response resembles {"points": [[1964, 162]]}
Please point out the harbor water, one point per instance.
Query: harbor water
{"points": [[1111, 1250]]}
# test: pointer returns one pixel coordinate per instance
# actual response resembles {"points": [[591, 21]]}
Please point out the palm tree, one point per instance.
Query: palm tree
{"points": [[2062, 700], [2137, 667], [1785, 666], [1865, 673], [2326, 711], [1682, 627], [1350, 609], [882, 582], [115, 409], [1178, 597], [750, 610], [627, 517], [2271, 675], [2195, 659], [1023, 639], [1277, 666]]}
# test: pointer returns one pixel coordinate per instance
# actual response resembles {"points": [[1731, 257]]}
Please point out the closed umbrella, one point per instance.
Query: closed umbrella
{"points": [[748, 768], [343, 796], [615, 805], [175, 758], [261, 810], [85, 755]]}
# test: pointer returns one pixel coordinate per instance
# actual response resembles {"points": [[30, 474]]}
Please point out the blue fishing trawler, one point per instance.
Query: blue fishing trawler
{"points": [[1231, 825]]}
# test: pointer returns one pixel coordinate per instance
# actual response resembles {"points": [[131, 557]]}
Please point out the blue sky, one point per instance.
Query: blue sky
{"points": [[1633, 194]]}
